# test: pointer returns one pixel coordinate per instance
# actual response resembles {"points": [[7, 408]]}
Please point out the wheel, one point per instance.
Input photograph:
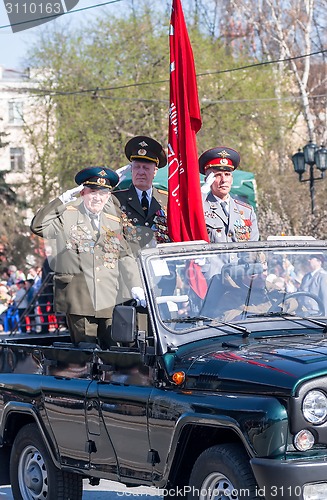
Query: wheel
{"points": [[33, 475], [222, 472], [314, 307]]}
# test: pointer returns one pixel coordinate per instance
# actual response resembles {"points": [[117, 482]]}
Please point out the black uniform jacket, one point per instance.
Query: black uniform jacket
{"points": [[146, 230]]}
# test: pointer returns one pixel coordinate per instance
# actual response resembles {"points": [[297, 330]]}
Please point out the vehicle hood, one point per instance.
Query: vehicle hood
{"points": [[268, 365]]}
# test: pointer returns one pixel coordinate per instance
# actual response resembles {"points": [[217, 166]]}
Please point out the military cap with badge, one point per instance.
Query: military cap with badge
{"points": [[145, 148], [97, 177], [219, 158], [92, 177]]}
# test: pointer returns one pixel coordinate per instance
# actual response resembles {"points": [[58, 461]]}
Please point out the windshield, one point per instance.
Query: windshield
{"points": [[233, 286]]}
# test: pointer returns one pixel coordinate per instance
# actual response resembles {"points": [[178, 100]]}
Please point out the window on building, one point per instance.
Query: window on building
{"points": [[16, 112], [17, 159]]}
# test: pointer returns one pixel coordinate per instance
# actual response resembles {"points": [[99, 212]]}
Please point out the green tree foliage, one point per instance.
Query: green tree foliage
{"points": [[15, 243], [112, 83], [109, 80]]}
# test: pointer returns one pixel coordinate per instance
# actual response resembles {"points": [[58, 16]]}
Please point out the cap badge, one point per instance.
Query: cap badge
{"points": [[143, 144], [101, 181], [103, 173], [141, 152], [223, 161], [223, 154]]}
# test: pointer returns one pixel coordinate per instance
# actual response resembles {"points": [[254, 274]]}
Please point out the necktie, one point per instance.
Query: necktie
{"points": [[224, 209], [223, 206], [145, 202], [93, 218]]}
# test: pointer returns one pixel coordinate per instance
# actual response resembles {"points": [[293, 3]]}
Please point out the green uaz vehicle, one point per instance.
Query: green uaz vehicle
{"points": [[216, 390]]}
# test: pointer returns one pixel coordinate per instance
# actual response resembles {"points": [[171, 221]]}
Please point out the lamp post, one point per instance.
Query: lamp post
{"points": [[311, 156]]}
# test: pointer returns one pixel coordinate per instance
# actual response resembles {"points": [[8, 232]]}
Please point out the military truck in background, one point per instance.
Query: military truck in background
{"points": [[216, 390]]}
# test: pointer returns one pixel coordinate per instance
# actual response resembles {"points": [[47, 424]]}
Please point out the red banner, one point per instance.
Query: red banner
{"points": [[185, 213], [196, 279]]}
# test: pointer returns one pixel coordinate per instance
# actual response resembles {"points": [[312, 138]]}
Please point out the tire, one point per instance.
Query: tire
{"points": [[33, 476], [223, 472]]}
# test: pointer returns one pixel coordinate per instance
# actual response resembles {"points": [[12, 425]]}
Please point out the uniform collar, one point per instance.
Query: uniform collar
{"points": [[148, 192], [220, 200], [91, 214]]}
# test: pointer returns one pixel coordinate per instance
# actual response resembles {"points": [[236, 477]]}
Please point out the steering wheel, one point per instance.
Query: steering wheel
{"points": [[302, 308]]}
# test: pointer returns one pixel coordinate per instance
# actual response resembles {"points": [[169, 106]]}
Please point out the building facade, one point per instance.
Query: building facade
{"points": [[15, 102]]}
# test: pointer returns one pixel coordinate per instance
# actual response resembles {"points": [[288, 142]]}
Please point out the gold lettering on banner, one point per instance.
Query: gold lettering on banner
{"points": [[173, 118], [176, 171]]}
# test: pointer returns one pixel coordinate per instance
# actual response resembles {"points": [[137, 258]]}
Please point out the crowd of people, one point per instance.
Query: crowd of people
{"points": [[22, 308]]}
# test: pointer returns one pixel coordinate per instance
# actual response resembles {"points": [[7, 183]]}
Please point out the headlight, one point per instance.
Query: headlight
{"points": [[314, 407]]}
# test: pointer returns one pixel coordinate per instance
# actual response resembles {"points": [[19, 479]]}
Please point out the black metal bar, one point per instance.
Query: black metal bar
{"points": [[312, 189]]}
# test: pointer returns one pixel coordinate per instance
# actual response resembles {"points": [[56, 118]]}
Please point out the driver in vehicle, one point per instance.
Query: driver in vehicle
{"points": [[247, 290]]}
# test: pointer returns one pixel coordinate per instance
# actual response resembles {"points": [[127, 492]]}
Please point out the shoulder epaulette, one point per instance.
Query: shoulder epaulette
{"points": [[112, 217], [239, 202], [71, 208], [162, 191]]}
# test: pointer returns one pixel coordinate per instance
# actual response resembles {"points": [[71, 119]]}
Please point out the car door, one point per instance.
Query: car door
{"points": [[122, 397], [68, 394]]}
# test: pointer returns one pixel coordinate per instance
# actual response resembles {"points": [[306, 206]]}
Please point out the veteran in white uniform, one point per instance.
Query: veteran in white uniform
{"points": [[227, 219], [92, 255]]}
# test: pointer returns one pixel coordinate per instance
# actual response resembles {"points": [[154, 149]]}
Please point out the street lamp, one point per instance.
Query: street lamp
{"points": [[311, 156]]}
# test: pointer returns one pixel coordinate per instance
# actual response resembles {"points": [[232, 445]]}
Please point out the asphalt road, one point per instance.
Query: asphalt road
{"points": [[107, 490]]}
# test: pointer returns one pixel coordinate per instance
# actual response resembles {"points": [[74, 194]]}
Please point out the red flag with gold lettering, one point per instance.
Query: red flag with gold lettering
{"points": [[185, 213]]}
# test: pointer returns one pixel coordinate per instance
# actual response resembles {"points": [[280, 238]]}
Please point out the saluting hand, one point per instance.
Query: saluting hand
{"points": [[69, 195], [209, 180]]}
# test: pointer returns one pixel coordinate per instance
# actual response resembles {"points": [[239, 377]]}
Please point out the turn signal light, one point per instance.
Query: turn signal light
{"points": [[304, 440], [178, 378]]}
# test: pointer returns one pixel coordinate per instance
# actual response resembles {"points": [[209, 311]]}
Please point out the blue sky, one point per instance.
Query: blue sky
{"points": [[14, 46]]}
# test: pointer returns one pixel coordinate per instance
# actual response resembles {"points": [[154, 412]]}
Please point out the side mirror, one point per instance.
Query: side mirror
{"points": [[123, 328]]}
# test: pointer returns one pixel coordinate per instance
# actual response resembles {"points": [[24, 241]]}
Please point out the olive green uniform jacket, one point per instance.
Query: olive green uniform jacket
{"points": [[88, 264]]}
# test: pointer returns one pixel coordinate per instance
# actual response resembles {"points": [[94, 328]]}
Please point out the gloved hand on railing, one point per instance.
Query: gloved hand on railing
{"points": [[139, 296]]}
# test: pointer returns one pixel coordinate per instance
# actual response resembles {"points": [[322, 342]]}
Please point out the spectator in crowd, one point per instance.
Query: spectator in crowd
{"points": [[14, 275], [315, 282], [46, 298], [5, 300], [91, 254], [21, 303], [227, 219], [276, 275]]}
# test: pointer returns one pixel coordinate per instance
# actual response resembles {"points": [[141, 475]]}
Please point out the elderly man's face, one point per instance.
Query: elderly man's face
{"points": [[95, 199], [143, 173], [222, 184]]}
